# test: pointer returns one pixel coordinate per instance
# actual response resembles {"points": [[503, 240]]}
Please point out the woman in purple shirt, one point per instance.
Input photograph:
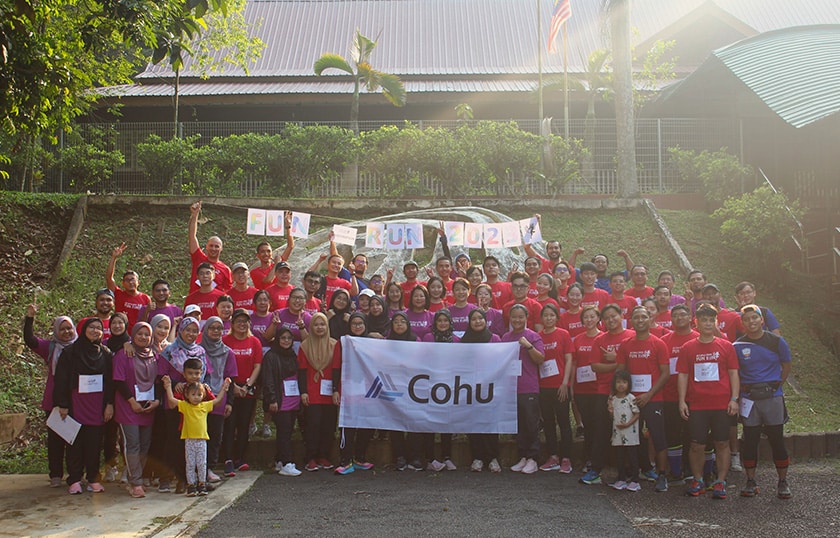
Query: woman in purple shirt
{"points": [[460, 311], [418, 311]]}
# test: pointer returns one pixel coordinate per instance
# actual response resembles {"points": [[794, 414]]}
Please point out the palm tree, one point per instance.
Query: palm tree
{"points": [[363, 74]]}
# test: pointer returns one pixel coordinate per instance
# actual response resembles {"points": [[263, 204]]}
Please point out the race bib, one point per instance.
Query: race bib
{"points": [[706, 371], [673, 361], [516, 368], [290, 387], [641, 383], [549, 368], [585, 374], [90, 383], [326, 387], [746, 407], [144, 396]]}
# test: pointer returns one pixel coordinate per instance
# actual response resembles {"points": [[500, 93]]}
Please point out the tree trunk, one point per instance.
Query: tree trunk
{"points": [[628, 181]]}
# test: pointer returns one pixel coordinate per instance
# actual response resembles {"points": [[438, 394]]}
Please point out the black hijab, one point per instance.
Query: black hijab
{"points": [[379, 324], [407, 336], [339, 327], [445, 336], [477, 337], [363, 317]]}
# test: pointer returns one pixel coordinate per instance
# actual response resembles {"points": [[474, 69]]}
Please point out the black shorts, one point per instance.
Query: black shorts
{"points": [[700, 422], [653, 415]]}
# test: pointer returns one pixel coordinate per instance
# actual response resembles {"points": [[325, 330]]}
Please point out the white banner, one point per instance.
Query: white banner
{"points": [[428, 387]]}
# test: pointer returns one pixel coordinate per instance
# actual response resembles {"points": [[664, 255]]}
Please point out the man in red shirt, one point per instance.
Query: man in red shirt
{"points": [[592, 296], [662, 298], [500, 288], [263, 274], [728, 321], [519, 289], [617, 296], [206, 295], [280, 290], [708, 386], [241, 293], [223, 279], [410, 270], [640, 289], [126, 299], [333, 282], [104, 308]]}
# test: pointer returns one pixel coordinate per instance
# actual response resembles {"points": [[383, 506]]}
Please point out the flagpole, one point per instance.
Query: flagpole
{"points": [[540, 79], [565, 84]]}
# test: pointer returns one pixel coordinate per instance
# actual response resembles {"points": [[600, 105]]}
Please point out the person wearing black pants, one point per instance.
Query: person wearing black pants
{"points": [[235, 436]]}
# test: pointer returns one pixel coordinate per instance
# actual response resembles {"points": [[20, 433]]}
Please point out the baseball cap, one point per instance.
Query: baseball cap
{"points": [[410, 262], [711, 287], [282, 265], [104, 291], [239, 265], [240, 312], [367, 292], [191, 308]]}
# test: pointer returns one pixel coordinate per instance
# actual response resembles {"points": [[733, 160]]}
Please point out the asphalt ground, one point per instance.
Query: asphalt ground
{"points": [[391, 503]]}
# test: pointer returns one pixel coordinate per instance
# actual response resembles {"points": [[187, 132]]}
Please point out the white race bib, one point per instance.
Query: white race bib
{"points": [[144, 396], [516, 368], [706, 371], [673, 361], [746, 407], [641, 383], [290, 387], [549, 368], [90, 383], [585, 374], [326, 387]]}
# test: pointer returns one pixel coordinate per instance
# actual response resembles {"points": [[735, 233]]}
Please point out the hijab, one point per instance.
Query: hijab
{"points": [[178, 352], [90, 356], [57, 345], [361, 316], [445, 336], [477, 337], [155, 322], [217, 354], [381, 323], [319, 349], [116, 341], [407, 336], [145, 362], [339, 327], [287, 355]]}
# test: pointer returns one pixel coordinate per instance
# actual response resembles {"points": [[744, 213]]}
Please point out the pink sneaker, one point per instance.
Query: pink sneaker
{"points": [[95, 487], [566, 466], [75, 488], [551, 464]]}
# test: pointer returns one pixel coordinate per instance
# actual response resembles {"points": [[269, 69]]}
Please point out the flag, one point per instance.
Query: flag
{"points": [[561, 14]]}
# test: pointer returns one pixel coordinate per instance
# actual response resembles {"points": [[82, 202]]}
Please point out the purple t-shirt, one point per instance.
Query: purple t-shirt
{"points": [[124, 371], [259, 324], [171, 311], [461, 317], [529, 380], [230, 371], [43, 351], [290, 403], [495, 321], [289, 321], [421, 322]]}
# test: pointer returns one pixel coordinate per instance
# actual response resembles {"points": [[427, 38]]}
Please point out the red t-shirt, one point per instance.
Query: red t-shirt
{"points": [[502, 294], [643, 358], [707, 367], [598, 298], [627, 304], [313, 387], [729, 324], [248, 353], [258, 274], [556, 343], [659, 331], [639, 294], [205, 301], [279, 295], [224, 278], [547, 267], [586, 353], [130, 305], [334, 284], [572, 323], [673, 344], [532, 290], [610, 342], [534, 310], [243, 299], [663, 319], [313, 306], [407, 287]]}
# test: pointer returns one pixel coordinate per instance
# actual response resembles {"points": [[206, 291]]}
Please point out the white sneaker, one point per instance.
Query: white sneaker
{"points": [[435, 466], [449, 465], [111, 473], [278, 466], [252, 430], [289, 470], [735, 463], [266, 430], [212, 477], [477, 466], [530, 467], [519, 466], [494, 466]]}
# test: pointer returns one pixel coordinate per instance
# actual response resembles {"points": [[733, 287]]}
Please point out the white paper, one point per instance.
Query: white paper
{"points": [[414, 235], [326, 387], [585, 374], [706, 371], [459, 334], [144, 396], [493, 235], [454, 232], [290, 387], [375, 235], [516, 368], [256, 222], [300, 224], [549, 368], [90, 383], [530, 229], [67, 429], [344, 235], [746, 407], [673, 361], [511, 235], [274, 223], [641, 383], [473, 233], [395, 236]]}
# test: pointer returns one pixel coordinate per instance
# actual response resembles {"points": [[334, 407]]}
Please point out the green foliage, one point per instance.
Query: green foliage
{"points": [[310, 156], [657, 67], [721, 173], [25, 162], [91, 161], [170, 163], [758, 226], [567, 158]]}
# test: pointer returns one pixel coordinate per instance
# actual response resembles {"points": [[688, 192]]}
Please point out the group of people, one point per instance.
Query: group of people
{"points": [[660, 377]]}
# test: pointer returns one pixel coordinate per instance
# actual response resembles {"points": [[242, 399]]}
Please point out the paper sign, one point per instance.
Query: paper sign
{"points": [[673, 365], [90, 383], [256, 222], [511, 235], [530, 229], [641, 383], [326, 387], [454, 232], [144, 395], [473, 233], [290, 387], [585, 374], [67, 429], [549, 368], [300, 225], [413, 235], [395, 236], [375, 235], [493, 235], [746, 406], [706, 371], [344, 235], [274, 224]]}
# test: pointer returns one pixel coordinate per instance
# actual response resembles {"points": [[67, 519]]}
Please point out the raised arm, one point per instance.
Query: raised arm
{"points": [[112, 266], [195, 209], [170, 398], [628, 261]]}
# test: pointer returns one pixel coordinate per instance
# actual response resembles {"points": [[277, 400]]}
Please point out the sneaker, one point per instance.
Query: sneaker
{"points": [[289, 470], [551, 464], [136, 492], [750, 489], [531, 467], [212, 477], [719, 490], [494, 466], [586, 467], [619, 485], [229, 469], [324, 463], [566, 466], [95, 487], [164, 487], [415, 466], [75, 488], [209, 487], [111, 473], [252, 429], [201, 490], [242, 466], [401, 464], [517, 468], [435, 466], [55, 482], [695, 488], [476, 467], [191, 491], [450, 466], [180, 488], [650, 475], [278, 465], [266, 430], [783, 490], [345, 469], [634, 486], [661, 484], [311, 466], [362, 465], [735, 463], [590, 478]]}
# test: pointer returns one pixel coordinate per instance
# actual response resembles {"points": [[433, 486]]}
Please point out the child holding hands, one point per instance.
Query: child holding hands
{"points": [[194, 431], [625, 431]]}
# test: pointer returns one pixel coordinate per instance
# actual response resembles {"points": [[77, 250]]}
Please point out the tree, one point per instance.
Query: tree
{"points": [[363, 74]]}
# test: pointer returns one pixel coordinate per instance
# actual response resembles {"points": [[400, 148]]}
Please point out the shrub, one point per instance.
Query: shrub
{"points": [[721, 173], [90, 161], [169, 164]]}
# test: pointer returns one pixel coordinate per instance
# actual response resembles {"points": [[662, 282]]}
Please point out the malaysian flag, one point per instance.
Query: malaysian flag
{"points": [[561, 14]]}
